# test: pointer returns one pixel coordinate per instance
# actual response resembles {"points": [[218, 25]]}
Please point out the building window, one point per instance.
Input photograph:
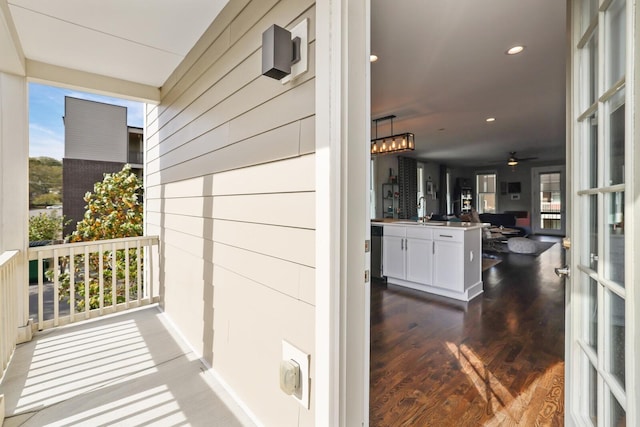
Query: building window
{"points": [[486, 188]]}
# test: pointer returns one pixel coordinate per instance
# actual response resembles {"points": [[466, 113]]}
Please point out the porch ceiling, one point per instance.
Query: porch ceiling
{"points": [[141, 41]]}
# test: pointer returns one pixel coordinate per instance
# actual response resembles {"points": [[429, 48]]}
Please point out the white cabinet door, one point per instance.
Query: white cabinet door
{"points": [[448, 262], [393, 255], [419, 260]]}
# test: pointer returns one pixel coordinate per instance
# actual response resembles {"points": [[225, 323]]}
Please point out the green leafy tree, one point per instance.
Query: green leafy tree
{"points": [[45, 177], [47, 199], [45, 227], [114, 209]]}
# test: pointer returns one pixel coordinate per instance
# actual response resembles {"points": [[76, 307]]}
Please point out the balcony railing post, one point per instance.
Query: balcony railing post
{"points": [[56, 281], [87, 279], [72, 283], [114, 276], [127, 288], [9, 313], [101, 279], [40, 290]]}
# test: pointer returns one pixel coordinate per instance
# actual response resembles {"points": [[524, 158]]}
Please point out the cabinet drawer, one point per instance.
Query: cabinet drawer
{"points": [[449, 235], [418, 232], [390, 230]]}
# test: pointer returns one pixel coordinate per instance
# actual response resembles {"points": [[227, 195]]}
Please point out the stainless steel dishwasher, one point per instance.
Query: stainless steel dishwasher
{"points": [[376, 251]]}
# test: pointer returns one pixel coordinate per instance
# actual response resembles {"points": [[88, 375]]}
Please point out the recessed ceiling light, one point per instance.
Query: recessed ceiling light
{"points": [[491, 119], [373, 58], [515, 50]]}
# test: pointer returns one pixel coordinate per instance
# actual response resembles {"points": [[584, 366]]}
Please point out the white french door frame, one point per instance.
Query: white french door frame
{"points": [[577, 352]]}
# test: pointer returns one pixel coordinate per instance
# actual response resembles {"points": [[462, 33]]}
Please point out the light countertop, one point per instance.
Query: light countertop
{"points": [[431, 224]]}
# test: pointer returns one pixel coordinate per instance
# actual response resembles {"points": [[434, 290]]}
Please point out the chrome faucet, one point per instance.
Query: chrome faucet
{"points": [[424, 217]]}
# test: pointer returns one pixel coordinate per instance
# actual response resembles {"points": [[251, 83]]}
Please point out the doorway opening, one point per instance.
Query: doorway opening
{"points": [[498, 358]]}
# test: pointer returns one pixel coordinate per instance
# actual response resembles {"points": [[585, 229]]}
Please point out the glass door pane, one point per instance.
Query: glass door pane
{"points": [[615, 142], [589, 257], [614, 238], [615, 53], [615, 338]]}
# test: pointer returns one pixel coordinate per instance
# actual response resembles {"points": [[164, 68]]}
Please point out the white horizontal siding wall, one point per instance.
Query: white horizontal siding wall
{"points": [[230, 187], [95, 131]]}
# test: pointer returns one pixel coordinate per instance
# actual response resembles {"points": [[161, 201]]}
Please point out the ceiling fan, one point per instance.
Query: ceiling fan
{"points": [[513, 160]]}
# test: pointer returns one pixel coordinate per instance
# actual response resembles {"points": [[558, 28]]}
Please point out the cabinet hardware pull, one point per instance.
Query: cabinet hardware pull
{"points": [[446, 235], [402, 244]]}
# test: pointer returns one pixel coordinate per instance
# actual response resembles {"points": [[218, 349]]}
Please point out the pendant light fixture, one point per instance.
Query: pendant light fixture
{"points": [[393, 143]]}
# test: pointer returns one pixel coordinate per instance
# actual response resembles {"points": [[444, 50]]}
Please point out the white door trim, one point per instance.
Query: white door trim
{"points": [[341, 377]]}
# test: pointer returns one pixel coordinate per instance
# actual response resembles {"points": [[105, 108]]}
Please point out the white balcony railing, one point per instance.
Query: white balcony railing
{"points": [[77, 281], [8, 314]]}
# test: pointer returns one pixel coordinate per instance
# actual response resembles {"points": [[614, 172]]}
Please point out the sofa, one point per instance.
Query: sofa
{"points": [[507, 220]]}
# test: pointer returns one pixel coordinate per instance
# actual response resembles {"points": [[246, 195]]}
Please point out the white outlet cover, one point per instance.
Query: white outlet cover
{"points": [[300, 30], [289, 352]]}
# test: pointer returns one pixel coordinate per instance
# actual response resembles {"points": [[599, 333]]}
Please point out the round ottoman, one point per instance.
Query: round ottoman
{"points": [[522, 245]]}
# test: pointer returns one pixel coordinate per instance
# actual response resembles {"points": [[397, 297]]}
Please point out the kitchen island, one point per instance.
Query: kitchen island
{"points": [[443, 258]]}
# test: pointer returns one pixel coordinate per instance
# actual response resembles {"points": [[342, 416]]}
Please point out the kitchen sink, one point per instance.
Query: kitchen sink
{"points": [[419, 223]]}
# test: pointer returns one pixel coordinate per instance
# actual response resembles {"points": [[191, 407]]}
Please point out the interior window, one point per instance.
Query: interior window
{"points": [[486, 188]]}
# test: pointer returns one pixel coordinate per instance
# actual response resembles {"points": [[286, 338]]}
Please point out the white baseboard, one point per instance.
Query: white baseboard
{"points": [[232, 394], [25, 333], [216, 380]]}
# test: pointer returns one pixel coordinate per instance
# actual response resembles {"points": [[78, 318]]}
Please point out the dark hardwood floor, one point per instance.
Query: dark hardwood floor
{"points": [[497, 360]]}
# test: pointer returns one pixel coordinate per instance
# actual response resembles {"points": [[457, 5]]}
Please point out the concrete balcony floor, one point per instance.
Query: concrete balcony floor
{"points": [[127, 369]]}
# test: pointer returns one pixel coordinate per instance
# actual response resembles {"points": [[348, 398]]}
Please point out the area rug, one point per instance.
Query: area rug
{"points": [[502, 248], [487, 263]]}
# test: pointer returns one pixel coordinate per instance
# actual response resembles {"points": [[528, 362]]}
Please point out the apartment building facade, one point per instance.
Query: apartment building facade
{"points": [[97, 141]]}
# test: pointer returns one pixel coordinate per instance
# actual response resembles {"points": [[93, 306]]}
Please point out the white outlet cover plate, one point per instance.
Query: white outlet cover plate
{"points": [[303, 359], [300, 30]]}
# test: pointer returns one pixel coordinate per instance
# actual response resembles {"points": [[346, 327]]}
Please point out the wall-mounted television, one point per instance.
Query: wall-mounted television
{"points": [[513, 187]]}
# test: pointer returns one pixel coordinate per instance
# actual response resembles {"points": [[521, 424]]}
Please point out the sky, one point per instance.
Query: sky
{"points": [[46, 109]]}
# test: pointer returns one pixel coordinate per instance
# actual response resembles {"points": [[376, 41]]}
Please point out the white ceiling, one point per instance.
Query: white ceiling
{"points": [[443, 66], [141, 41]]}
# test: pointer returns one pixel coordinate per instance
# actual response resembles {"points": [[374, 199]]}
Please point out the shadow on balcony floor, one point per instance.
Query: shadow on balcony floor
{"points": [[126, 369]]}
